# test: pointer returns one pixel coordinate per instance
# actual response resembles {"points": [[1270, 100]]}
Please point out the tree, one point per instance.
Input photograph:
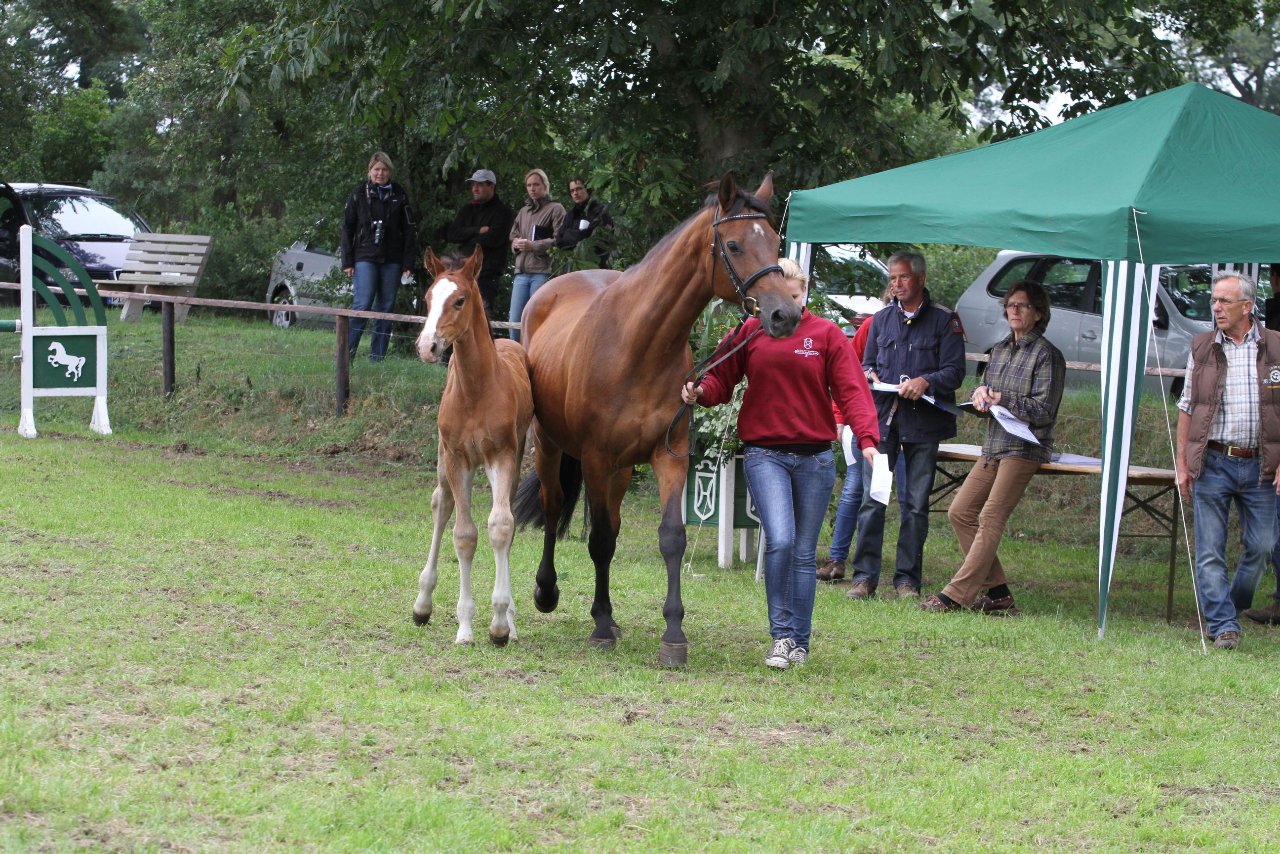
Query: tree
{"points": [[1241, 57], [85, 40], [656, 96]]}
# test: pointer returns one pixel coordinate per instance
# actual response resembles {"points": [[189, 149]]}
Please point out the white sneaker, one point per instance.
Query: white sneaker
{"points": [[780, 655], [799, 655]]}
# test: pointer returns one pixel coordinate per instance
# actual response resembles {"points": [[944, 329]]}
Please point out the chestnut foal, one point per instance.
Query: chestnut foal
{"points": [[483, 419]]}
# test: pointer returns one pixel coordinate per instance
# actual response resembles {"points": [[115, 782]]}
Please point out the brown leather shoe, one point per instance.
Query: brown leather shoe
{"points": [[907, 591], [832, 570], [937, 604], [861, 590], [1227, 640], [1002, 607], [1268, 616]]}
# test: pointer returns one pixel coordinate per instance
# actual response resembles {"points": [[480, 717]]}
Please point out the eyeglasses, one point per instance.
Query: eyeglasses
{"points": [[1224, 302], [1020, 306]]}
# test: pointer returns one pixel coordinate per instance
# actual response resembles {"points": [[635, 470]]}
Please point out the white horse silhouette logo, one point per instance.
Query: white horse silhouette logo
{"points": [[60, 357]]}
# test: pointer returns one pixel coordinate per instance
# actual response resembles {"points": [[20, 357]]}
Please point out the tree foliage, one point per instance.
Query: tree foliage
{"points": [[83, 40], [252, 119], [653, 97]]}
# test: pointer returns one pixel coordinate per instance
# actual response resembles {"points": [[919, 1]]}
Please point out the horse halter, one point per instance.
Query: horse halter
{"points": [[750, 306]]}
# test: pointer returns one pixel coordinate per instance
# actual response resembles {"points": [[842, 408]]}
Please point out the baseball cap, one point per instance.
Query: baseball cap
{"points": [[484, 176]]}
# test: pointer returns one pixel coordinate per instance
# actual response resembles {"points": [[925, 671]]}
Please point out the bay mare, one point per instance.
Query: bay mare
{"points": [[483, 420], [608, 353]]}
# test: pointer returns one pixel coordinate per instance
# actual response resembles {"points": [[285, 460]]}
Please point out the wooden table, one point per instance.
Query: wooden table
{"points": [[1144, 491]]}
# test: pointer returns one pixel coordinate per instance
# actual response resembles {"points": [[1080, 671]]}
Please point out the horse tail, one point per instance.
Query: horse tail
{"points": [[527, 506]]}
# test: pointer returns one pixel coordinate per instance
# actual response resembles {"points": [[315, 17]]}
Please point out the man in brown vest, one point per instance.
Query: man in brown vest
{"points": [[1229, 451]]}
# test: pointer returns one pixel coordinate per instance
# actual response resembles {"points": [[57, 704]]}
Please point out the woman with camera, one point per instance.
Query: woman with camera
{"points": [[378, 248]]}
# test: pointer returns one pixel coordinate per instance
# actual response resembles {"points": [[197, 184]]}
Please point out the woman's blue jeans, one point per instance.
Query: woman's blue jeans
{"points": [[1225, 481], [375, 290], [523, 286], [851, 504], [847, 511], [791, 493]]}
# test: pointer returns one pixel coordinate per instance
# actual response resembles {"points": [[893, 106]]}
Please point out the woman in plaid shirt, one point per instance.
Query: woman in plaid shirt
{"points": [[1025, 375]]}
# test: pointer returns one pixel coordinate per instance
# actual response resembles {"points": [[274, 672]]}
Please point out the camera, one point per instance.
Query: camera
{"points": [[377, 232]]}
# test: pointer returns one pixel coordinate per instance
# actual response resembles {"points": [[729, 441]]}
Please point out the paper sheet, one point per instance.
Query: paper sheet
{"points": [[927, 398], [847, 443], [881, 479], [1013, 425]]}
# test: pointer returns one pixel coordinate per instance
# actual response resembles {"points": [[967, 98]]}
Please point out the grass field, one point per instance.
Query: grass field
{"points": [[205, 644]]}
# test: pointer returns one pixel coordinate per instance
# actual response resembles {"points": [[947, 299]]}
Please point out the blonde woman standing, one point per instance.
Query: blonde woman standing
{"points": [[532, 236]]}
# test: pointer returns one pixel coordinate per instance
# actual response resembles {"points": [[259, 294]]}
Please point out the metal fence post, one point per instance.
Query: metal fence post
{"points": [[343, 362], [166, 346]]}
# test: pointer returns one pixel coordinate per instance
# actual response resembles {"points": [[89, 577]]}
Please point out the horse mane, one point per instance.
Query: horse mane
{"points": [[744, 201], [452, 262]]}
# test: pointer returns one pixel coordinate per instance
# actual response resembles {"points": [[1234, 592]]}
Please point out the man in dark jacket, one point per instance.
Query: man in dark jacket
{"points": [[485, 222], [588, 221], [917, 346]]}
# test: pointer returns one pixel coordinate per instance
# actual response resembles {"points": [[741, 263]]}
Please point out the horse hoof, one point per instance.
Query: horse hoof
{"points": [[544, 600], [421, 619], [605, 644], [616, 629], [499, 640], [673, 654]]}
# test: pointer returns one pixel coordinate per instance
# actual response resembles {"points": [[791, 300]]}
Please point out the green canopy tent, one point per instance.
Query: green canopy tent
{"points": [[1184, 176]]}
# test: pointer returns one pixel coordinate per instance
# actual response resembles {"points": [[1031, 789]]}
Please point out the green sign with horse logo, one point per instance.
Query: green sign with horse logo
{"points": [[65, 360]]}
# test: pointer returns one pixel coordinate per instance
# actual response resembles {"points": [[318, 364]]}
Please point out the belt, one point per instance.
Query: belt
{"points": [[1231, 450]]}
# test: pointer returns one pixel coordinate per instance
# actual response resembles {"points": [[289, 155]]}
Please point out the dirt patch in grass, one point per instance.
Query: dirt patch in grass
{"points": [[1217, 799], [276, 494]]}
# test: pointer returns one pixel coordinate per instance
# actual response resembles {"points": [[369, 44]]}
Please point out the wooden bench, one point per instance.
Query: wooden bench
{"points": [[162, 264]]}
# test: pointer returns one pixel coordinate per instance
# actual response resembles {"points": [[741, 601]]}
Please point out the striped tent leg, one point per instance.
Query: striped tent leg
{"points": [[1127, 307]]}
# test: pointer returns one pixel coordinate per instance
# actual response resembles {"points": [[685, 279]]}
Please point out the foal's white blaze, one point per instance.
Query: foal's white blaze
{"points": [[441, 295]]}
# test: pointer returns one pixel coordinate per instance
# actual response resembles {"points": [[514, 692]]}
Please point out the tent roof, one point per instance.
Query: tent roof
{"points": [[1202, 166]]}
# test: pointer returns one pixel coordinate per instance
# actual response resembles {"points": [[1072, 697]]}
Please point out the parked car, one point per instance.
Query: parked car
{"points": [[305, 274], [852, 279], [95, 228], [1075, 292]]}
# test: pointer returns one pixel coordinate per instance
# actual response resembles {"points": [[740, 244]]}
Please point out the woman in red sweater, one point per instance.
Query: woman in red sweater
{"points": [[787, 426]]}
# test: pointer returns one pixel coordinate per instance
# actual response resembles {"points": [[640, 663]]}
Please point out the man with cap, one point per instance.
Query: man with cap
{"points": [[485, 222]]}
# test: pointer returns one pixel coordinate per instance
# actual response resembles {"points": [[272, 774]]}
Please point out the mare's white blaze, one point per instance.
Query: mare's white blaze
{"points": [[757, 229], [441, 295]]}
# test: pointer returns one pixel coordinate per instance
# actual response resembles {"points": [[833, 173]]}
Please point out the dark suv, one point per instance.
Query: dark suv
{"points": [[93, 227]]}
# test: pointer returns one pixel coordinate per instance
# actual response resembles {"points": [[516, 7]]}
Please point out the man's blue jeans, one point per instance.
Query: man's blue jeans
{"points": [[1223, 482], [375, 290], [1275, 553], [913, 497], [523, 286], [791, 493]]}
